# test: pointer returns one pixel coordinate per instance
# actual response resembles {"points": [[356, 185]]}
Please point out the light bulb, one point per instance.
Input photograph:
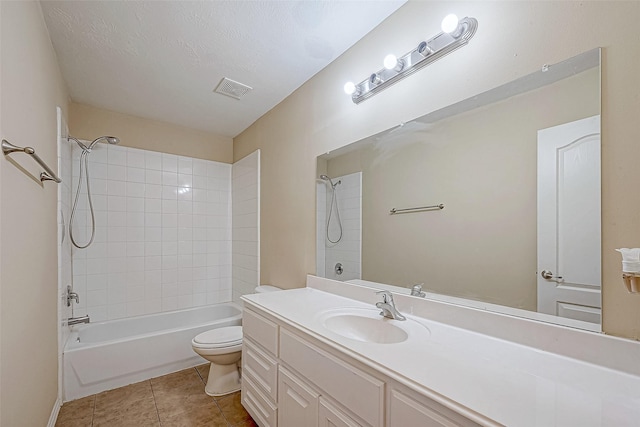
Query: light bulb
{"points": [[450, 23], [390, 62], [393, 63], [349, 88]]}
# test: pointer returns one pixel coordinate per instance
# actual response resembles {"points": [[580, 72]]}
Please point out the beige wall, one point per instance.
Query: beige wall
{"points": [[87, 122], [482, 165], [31, 87], [513, 39]]}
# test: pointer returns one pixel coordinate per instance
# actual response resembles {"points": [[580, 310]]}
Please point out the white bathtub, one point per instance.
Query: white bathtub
{"points": [[106, 355]]}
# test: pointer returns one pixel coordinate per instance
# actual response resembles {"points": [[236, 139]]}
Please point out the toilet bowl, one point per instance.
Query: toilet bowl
{"points": [[223, 348]]}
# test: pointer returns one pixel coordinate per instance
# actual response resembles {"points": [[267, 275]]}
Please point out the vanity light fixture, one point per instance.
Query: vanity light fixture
{"points": [[455, 33]]}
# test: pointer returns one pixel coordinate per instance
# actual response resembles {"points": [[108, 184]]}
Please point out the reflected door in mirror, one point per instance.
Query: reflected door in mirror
{"points": [[569, 272]]}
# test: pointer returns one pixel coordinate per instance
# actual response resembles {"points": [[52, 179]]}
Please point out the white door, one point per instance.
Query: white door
{"points": [[569, 262]]}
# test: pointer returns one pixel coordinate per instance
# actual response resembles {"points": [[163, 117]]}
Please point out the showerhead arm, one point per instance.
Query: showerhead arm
{"points": [[326, 178], [80, 143]]}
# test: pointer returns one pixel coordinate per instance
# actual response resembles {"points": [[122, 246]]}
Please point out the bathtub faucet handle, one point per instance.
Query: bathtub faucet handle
{"points": [[72, 296]]}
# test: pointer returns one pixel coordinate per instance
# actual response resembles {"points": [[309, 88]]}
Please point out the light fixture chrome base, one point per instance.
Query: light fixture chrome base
{"points": [[424, 54]]}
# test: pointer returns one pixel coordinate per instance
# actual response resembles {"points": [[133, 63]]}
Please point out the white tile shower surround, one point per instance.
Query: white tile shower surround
{"points": [[321, 223], [163, 233], [348, 250], [245, 184]]}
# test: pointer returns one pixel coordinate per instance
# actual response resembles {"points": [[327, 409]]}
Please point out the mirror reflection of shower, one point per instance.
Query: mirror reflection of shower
{"points": [[341, 260], [334, 206], [84, 174]]}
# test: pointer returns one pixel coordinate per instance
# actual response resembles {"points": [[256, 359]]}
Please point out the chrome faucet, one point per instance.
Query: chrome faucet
{"points": [[416, 291], [77, 320], [388, 307]]}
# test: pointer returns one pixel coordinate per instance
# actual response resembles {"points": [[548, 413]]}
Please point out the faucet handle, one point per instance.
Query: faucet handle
{"points": [[416, 290], [72, 296], [386, 296]]}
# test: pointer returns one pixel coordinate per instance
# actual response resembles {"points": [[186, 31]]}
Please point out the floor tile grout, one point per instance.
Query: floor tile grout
{"points": [[93, 410], [155, 404]]}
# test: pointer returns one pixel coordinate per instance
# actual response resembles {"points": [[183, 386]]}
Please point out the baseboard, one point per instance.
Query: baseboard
{"points": [[54, 413]]}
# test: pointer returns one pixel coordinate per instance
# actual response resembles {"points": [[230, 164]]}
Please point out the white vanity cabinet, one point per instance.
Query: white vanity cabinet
{"points": [[260, 368], [293, 380]]}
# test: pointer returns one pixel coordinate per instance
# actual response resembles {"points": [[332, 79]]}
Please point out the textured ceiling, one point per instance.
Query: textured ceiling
{"points": [[162, 60]]}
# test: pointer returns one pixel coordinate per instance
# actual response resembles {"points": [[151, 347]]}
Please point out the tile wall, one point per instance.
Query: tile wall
{"points": [[163, 233], [349, 249], [246, 225], [321, 224]]}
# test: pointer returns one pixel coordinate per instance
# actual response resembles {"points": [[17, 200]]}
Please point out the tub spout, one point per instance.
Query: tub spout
{"points": [[77, 320]]}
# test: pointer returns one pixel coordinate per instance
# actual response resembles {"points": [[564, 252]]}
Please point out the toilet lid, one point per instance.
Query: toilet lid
{"points": [[220, 337]]}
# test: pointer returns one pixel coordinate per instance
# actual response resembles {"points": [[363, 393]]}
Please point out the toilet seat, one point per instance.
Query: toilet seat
{"points": [[219, 341]]}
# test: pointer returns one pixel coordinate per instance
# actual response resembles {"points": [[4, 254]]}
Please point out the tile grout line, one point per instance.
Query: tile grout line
{"points": [[155, 404], [198, 372], [222, 412], [93, 411], [214, 399]]}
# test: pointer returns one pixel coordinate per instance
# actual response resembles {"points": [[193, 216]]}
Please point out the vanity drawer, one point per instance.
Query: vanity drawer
{"points": [[263, 412], [353, 388], [332, 416], [407, 409], [262, 368], [260, 330]]}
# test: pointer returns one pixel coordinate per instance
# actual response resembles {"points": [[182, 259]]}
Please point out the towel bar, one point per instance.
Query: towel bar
{"points": [[47, 175], [418, 209]]}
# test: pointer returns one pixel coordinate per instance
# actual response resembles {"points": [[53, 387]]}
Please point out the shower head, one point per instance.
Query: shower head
{"points": [[326, 178], [109, 139]]}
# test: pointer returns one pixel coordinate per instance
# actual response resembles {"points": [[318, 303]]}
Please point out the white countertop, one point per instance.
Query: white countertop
{"points": [[509, 383]]}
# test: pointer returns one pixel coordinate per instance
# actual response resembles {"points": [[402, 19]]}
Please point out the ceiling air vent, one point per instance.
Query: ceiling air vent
{"points": [[232, 88]]}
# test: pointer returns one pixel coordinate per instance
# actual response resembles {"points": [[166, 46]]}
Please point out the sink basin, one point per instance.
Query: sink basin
{"points": [[367, 325]]}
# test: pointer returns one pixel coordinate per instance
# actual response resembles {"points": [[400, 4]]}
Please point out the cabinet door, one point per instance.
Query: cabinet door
{"points": [[331, 416], [297, 402], [404, 410]]}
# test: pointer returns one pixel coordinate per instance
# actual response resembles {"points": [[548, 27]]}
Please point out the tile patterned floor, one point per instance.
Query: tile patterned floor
{"points": [[176, 399]]}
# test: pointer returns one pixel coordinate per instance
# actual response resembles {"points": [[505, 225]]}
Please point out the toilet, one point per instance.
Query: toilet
{"points": [[223, 348]]}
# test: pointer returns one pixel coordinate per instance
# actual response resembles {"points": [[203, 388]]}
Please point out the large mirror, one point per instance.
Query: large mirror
{"points": [[492, 202]]}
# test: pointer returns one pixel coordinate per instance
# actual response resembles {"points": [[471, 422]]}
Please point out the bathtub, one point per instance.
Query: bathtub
{"points": [[107, 355]]}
